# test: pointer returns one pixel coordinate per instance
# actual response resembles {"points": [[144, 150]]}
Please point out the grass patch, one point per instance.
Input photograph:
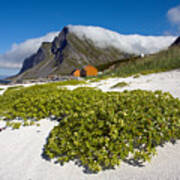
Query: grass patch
{"points": [[97, 129], [136, 76], [1, 89], [163, 61], [120, 84]]}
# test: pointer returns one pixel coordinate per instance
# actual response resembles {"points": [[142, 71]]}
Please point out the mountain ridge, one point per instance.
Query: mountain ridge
{"points": [[76, 46]]}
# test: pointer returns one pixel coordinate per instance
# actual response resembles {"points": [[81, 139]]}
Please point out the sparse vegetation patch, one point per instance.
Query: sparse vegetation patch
{"points": [[120, 85], [136, 76]]}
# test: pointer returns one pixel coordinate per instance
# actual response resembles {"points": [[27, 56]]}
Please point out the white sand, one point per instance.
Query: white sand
{"points": [[20, 150]]}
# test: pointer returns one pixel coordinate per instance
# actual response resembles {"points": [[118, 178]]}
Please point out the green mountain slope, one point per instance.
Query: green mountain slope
{"points": [[159, 62]]}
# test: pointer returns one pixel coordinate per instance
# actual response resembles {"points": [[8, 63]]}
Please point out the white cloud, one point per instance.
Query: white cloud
{"points": [[18, 52], [128, 43], [174, 16]]}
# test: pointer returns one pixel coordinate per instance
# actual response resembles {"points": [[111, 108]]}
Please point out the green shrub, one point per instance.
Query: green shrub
{"points": [[97, 129], [120, 84], [136, 76], [13, 125], [12, 88], [127, 125], [16, 125]]}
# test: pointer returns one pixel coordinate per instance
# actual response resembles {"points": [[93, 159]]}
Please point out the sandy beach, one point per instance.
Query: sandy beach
{"points": [[20, 154]]}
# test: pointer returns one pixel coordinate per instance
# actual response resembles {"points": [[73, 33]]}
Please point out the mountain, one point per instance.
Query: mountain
{"points": [[176, 42], [77, 46]]}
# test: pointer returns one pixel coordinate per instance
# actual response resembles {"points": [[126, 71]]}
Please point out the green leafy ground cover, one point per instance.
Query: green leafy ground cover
{"points": [[120, 84], [97, 129], [29, 103], [136, 76], [12, 88], [1, 89]]}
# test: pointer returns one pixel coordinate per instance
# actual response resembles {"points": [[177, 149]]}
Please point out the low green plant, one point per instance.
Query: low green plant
{"points": [[1, 89], [12, 88], [26, 123], [136, 76], [13, 125], [129, 125], [97, 129], [120, 84], [16, 125]]}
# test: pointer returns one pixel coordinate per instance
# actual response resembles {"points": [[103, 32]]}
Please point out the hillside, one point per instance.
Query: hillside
{"points": [[162, 61], [77, 46]]}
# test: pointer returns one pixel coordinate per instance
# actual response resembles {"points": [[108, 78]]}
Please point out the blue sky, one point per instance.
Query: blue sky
{"points": [[21, 20]]}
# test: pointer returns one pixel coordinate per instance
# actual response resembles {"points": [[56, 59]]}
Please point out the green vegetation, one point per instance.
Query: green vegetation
{"points": [[163, 61], [70, 82], [120, 84], [29, 103], [103, 67], [1, 89], [97, 79], [102, 133], [16, 125], [97, 129], [12, 88], [136, 76]]}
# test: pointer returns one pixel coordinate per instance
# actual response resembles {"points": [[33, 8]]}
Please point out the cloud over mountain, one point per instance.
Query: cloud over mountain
{"points": [[99, 36], [137, 44], [18, 52]]}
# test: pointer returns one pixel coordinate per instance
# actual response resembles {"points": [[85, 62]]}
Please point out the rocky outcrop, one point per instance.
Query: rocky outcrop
{"points": [[177, 42]]}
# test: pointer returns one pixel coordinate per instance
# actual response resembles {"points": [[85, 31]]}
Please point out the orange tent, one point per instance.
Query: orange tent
{"points": [[89, 71], [76, 73]]}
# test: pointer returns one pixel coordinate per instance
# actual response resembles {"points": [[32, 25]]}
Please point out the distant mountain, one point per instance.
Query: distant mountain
{"points": [[77, 46]]}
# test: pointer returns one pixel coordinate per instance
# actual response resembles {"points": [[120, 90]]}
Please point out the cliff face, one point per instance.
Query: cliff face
{"points": [[66, 53]]}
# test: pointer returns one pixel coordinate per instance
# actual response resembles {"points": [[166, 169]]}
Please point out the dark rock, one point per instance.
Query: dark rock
{"points": [[177, 42]]}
